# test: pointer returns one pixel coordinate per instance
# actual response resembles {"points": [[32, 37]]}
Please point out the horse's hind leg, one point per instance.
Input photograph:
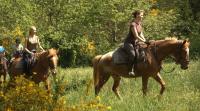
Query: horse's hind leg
{"points": [[159, 79], [116, 85], [103, 78]]}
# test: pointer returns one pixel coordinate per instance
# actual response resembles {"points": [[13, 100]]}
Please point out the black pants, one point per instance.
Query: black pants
{"points": [[129, 48], [27, 61]]}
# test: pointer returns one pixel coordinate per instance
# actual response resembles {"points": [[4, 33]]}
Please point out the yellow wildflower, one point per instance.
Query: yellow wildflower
{"points": [[1, 93], [98, 98], [109, 107], [154, 12], [30, 84], [91, 45], [17, 31], [153, 1]]}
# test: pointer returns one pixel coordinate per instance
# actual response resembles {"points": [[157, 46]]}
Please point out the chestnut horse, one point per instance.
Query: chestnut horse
{"points": [[45, 61], [156, 52]]}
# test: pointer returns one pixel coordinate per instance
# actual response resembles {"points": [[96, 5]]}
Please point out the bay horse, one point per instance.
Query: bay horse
{"points": [[156, 52], [40, 71]]}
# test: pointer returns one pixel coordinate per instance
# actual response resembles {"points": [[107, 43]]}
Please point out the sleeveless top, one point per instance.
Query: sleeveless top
{"points": [[130, 37], [18, 48], [32, 44]]}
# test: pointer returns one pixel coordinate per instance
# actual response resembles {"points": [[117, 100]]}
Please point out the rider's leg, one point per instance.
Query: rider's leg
{"points": [[131, 52]]}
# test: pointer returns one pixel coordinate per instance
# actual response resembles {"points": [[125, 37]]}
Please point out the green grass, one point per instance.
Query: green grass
{"points": [[182, 90]]}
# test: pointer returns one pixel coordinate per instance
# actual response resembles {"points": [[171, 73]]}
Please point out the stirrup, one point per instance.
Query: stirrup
{"points": [[131, 73]]}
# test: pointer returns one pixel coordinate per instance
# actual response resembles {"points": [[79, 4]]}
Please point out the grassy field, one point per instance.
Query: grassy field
{"points": [[182, 90], [74, 90]]}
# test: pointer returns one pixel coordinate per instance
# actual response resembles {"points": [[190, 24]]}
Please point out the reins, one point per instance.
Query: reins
{"points": [[155, 54], [168, 71]]}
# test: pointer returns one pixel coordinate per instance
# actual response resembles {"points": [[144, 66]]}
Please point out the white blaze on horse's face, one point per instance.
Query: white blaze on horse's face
{"points": [[187, 52], [185, 58], [53, 64]]}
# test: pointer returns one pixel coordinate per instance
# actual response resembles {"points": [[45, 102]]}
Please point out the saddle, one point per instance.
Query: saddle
{"points": [[120, 56], [29, 61]]}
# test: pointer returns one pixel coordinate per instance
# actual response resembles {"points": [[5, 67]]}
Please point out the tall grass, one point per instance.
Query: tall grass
{"points": [[74, 91], [182, 90]]}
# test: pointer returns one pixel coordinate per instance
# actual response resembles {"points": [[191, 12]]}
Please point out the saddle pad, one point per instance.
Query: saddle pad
{"points": [[119, 56]]}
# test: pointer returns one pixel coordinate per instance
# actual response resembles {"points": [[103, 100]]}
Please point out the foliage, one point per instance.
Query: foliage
{"points": [[73, 26], [26, 95], [29, 96], [73, 91]]}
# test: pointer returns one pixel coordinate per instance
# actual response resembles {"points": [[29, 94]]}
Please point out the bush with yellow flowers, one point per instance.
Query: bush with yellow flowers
{"points": [[28, 96]]}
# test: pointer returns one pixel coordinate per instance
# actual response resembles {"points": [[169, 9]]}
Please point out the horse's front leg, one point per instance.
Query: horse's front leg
{"points": [[47, 85], [4, 77], [54, 78], [116, 85], [144, 84], [159, 79]]}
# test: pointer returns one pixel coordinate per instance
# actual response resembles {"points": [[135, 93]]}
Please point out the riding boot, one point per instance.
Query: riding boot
{"points": [[131, 72]]}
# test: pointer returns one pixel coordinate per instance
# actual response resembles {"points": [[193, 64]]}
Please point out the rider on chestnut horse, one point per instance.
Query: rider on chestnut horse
{"points": [[134, 36]]}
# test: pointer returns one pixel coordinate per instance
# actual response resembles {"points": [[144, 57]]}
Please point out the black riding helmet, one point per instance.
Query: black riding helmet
{"points": [[17, 40]]}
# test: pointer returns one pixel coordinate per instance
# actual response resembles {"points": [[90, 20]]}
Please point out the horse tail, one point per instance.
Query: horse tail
{"points": [[95, 62]]}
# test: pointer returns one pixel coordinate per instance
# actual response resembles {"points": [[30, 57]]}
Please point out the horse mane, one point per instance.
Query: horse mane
{"points": [[171, 38], [49, 53]]}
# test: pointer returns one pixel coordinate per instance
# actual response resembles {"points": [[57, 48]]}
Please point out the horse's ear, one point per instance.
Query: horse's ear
{"points": [[186, 41]]}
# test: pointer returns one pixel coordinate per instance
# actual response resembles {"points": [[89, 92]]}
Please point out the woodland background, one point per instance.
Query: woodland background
{"points": [[82, 29]]}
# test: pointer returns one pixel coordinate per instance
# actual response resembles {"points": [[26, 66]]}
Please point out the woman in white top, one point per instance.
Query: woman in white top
{"points": [[32, 44], [17, 48]]}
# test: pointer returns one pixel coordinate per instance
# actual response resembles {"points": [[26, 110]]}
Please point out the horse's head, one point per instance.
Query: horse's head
{"points": [[52, 60], [181, 54]]}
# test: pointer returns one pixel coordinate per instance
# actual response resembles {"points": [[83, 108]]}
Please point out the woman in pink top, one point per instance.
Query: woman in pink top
{"points": [[135, 35]]}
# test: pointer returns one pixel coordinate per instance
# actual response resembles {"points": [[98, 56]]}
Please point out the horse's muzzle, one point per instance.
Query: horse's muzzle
{"points": [[184, 65], [54, 71]]}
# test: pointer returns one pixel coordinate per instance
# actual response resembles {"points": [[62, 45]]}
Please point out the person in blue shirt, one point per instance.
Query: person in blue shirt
{"points": [[3, 61]]}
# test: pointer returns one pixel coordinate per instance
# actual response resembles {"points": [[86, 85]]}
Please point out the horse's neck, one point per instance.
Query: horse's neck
{"points": [[42, 63], [165, 49]]}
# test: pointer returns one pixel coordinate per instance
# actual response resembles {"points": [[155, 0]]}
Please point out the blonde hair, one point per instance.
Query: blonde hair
{"points": [[32, 28]]}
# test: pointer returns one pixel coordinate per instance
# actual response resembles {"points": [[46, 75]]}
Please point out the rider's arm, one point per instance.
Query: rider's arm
{"points": [[39, 44], [135, 33], [5, 65], [142, 37]]}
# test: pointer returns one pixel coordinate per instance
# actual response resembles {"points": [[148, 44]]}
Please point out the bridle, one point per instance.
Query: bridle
{"points": [[180, 58], [178, 50], [51, 64]]}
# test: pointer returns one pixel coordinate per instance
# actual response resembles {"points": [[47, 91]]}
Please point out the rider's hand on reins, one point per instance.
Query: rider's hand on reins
{"points": [[147, 42]]}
